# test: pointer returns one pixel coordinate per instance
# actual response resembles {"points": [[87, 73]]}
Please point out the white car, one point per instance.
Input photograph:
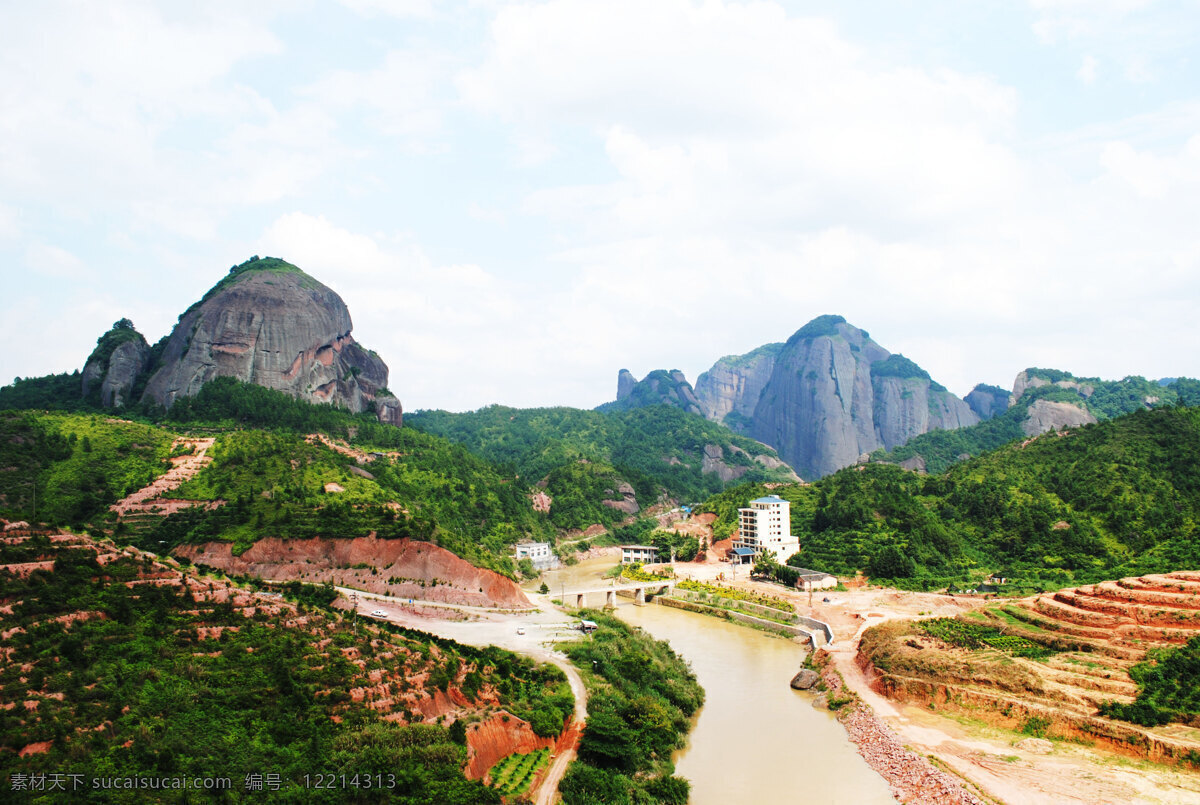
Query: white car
{"points": [[379, 613], [520, 630]]}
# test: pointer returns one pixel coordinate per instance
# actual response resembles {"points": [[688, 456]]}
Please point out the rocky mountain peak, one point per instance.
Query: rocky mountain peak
{"points": [[114, 365], [269, 323]]}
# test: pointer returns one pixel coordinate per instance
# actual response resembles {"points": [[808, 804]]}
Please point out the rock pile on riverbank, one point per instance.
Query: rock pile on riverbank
{"points": [[913, 779]]}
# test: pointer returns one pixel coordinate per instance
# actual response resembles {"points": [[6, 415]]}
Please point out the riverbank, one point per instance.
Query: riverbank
{"points": [[912, 778]]}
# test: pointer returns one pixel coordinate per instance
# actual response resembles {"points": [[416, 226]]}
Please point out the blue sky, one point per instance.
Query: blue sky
{"points": [[518, 199]]}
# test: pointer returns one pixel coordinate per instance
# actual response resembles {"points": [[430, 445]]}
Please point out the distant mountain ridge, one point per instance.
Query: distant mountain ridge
{"points": [[824, 399], [1040, 400]]}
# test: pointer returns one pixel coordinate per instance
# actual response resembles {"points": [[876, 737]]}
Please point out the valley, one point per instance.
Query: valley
{"points": [[1010, 581]]}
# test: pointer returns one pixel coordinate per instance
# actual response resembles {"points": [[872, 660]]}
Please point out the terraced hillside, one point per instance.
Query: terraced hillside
{"points": [[118, 663], [1051, 665]]}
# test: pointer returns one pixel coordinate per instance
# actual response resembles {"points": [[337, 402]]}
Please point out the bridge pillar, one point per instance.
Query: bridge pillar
{"points": [[610, 599], [639, 596], [579, 601]]}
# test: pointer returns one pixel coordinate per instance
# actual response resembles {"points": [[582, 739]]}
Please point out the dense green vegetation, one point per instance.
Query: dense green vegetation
{"points": [[59, 392], [1106, 399], [1169, 682], [271, 479], [658, 446], [67, 468], [820, 326], [639, 711], [1117, 498], [896, 365], [156, 680], [274, 486]]}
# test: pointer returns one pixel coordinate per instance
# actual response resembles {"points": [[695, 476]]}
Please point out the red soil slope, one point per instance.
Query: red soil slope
{"points": [[399, 567]]}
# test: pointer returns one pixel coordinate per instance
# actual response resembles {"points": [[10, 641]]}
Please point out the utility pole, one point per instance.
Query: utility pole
{"points": [[354, 603]]}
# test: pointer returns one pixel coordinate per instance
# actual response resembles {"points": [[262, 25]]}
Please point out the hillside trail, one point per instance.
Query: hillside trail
{"points": [[149, 500]]}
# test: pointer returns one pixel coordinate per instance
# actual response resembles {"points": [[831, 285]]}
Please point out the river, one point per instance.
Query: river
{"points": [[755, 739]]}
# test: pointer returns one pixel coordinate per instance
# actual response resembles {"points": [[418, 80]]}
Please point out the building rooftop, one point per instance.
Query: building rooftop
{"points": [[769, 499], [743, 551], [642, 547]]}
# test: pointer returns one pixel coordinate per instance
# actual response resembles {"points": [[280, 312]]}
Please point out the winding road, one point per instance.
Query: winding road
{"points": [[496, 627]]}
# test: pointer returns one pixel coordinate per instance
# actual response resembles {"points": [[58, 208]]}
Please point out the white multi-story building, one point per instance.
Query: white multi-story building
{"points": [[765, 526]]}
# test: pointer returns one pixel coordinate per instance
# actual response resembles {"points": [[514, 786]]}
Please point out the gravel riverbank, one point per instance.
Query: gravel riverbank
{"points": [[913, 779]]}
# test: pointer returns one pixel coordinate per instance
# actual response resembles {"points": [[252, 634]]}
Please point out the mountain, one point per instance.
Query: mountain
{"points": [[988, 401], [824, 400], [1041, 400], [660, 387], [112, 369], [266, 322], [269, 323]]}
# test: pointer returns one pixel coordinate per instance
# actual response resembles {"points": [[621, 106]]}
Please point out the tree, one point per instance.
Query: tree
{"points": [[766, 564]]}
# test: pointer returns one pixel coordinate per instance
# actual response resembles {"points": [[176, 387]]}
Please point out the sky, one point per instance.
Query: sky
{"points": [[517, 200]]}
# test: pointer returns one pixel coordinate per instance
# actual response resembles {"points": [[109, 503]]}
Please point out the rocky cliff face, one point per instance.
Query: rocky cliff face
{"points": [[660, 387], [625, 384], [113, 367], [834, 396], [1046, 414], [734, 384], [988, 401], [271, 324]]}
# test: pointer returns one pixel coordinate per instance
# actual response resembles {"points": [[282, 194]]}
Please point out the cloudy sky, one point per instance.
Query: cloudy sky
{"points": [[516, 200]]}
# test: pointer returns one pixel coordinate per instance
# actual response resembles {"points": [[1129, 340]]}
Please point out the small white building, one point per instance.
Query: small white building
{"points": [[765, 525], [539, 553], [815, 580], [641, 554]]}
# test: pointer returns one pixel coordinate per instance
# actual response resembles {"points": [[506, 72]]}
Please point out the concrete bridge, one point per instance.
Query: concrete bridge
{"points": [[638, 588]]}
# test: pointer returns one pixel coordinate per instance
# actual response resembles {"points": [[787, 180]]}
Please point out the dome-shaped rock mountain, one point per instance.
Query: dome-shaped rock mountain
{"points": [[269, 323]]}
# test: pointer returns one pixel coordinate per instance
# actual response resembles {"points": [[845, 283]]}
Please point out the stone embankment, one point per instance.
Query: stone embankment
{"points": [[912, 778]]}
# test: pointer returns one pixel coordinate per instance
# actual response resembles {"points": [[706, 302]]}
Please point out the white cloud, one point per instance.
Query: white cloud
{"points": [[1087, 69], [390, 8]]}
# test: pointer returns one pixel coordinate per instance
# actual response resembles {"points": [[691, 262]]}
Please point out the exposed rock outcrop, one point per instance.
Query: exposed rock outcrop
{"points": [[734, 384], [120, 356], [628, 499], [625, 383], [271, 324], [834, 394], [988, 401], [660, 387], [1046, 414]]}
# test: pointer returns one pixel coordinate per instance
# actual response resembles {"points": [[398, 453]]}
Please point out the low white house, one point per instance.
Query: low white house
{"points": [[815, 580], [765, 526], [642, 554], [537, 552]]}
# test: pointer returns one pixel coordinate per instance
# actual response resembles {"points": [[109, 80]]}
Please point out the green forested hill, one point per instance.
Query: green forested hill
{"points": [[1107, 500], [1105, 399], [71, 467], [657, 445]]}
